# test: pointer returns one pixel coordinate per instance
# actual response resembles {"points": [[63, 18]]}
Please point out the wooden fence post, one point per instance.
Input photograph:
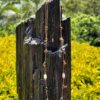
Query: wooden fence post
{"points": [[67, 37], [30, 57]]}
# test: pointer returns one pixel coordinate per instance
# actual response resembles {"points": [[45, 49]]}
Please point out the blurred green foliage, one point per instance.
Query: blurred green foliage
{"points": [[86, 28], [14, 12], [72, 7]]}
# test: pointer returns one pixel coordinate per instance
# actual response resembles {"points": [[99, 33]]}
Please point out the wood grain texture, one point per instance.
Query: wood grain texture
{"points": [[30, 58], [67, 37], [22, 61]]}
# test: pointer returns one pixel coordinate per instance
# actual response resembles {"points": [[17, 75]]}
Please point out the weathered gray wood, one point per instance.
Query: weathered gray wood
{"points": [[21, 68], [54, 24], [53, 32], [54, 77], [30, 58], [54, 66], [28, 65], [21, 59], [17, 58], [67, 37], [28, 72], [19, 52], [38, 84]]}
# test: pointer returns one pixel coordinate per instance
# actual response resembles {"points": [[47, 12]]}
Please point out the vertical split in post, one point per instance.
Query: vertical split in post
{"points": [[57, 70]]}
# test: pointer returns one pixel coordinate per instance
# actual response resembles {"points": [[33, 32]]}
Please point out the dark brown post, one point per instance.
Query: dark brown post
{"points": [[38, 81], [19, 56], [30, 57], [24, 63], [67, 37]]}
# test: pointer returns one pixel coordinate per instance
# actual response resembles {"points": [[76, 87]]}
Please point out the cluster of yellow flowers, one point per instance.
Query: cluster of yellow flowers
{"points": [[7, 68], [85, 70]]}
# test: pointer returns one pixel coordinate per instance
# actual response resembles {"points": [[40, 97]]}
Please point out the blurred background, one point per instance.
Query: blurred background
{"points": [[85, 37]]}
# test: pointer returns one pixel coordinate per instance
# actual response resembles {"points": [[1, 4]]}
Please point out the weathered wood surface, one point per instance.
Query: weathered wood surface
{"points": [[19, 68], [67, 37], [54, 64], [30, 58], [39, 86], [54, 24], [23, 62]]}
